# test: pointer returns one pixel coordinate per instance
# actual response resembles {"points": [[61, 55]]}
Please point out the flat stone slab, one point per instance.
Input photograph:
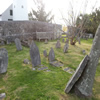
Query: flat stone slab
{"points": [[69, 70], [42, 68], [56, 64], [77, 74]]}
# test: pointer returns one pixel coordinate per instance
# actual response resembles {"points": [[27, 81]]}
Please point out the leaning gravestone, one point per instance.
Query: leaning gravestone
{"points": [[45, 53], [77, 74], [51, 56], [65, 48], [18, 44], [35, 55], [58, 45], [3, 60]]}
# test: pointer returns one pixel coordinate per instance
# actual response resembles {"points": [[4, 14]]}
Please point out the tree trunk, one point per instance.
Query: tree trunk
{"points": [[84, 85]]}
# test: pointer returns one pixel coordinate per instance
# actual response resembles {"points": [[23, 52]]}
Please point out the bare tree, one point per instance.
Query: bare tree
{"points": [[75, 32]]}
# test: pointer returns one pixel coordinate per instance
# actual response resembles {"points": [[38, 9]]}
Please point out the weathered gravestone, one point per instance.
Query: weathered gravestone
{"points": [[35, 55], [51, 56], [3, 60], [58, 45], [63, 40], [83, 87], [2, 43], [83, 51], [18, 44], [56, 64], [2, 96], [65, 48], [46, 41], [67, 41], [77, 74], [45, 53]]}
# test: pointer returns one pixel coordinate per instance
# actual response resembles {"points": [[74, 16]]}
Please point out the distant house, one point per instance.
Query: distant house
{"points": [[16, 11]]}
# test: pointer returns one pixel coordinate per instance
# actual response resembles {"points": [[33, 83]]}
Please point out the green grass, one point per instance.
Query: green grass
{"points": [[21, 83]]}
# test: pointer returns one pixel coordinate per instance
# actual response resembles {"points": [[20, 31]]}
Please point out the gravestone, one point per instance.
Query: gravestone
{"points": [[77, 74], [35, 55], [63, 40], [46, 41], [51, 56], [45, 53], [58, 45], [18, 44], [3, 60], [65, 48], [26, 61], [42, 68], [83, 51], [56, 64], [2, 43], [67, 41]]}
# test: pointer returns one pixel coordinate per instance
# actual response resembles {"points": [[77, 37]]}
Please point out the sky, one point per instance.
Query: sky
{"points": [[59, 7]]}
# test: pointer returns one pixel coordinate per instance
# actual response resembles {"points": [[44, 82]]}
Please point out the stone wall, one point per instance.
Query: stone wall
{"points": [[26, 29]]}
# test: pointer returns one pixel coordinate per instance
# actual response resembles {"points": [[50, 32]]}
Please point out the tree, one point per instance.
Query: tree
{"points": [[92, 21], [40, 14], [75, 24]]}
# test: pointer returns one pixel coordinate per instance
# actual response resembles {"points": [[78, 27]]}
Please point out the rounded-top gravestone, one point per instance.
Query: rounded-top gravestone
{"points": [[58, 45], [3, 60]]}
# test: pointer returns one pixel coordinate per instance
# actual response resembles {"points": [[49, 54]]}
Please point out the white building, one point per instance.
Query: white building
{"points": [[16, 11]]}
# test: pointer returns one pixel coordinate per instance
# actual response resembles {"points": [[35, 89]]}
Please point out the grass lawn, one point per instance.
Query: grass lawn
{"points": [[21, 83]]}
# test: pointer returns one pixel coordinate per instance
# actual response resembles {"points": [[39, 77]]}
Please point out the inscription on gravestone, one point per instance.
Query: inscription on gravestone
{"points": [[3, 60]]}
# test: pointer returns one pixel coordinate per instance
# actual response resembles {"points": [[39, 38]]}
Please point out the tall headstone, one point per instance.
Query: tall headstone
{"points": [[65, 48], [18, 44], [35, 55], [58, 45], [51, 56], [3, 60]]}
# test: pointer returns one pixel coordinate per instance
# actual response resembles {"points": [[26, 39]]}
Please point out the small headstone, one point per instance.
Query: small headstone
{"points": [[26, 61], [67, 41], [35, 55], [3, 60], [77, 74], [65, 48], [83, 51], [63, 40], [2, 96], [2, 43], [45, 53], [56, 64], [18, 44], [58, 45], [46, 41], [51, 56]]}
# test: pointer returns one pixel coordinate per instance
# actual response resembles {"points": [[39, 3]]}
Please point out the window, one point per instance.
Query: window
{"points": [[22, 6], [10, 20], [11, 12]]}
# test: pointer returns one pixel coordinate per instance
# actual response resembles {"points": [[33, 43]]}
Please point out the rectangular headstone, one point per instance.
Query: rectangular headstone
{"points": [[18, 44]]}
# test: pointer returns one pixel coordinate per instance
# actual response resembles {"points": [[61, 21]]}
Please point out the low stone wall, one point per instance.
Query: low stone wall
{"points": [[25, 29]]}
